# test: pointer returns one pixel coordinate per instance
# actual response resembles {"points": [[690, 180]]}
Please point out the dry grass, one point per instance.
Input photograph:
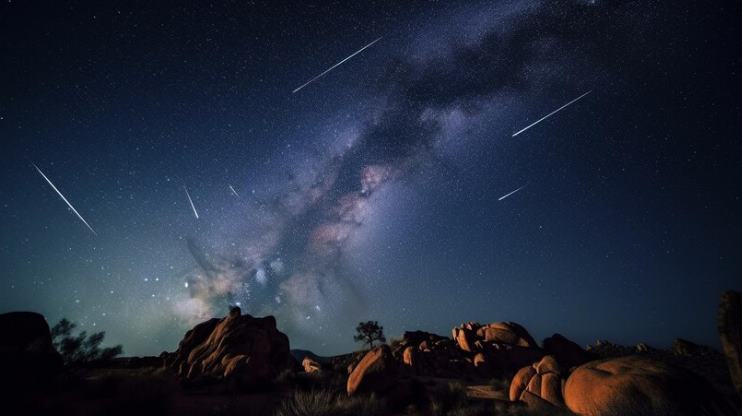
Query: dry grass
{"points": [[330, 403]]}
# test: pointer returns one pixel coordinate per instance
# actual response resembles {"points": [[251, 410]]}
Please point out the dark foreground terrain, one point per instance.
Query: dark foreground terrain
{"points": [[242, 365]]}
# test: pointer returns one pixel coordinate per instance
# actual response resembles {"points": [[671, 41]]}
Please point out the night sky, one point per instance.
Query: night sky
{"points": [[375, 191]]}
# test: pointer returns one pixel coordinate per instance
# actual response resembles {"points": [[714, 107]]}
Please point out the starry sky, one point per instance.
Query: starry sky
{"points": [[374, 192]]}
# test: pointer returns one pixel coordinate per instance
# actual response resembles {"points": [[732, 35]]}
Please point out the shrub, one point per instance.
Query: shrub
{"points": [[81, 349], [327, 402]]}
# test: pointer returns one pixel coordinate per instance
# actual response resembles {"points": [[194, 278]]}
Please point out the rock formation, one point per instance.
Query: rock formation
{"points": [[471, 336], [729, 322], [476, 350], [542, 380], [638, 385], [239, 348], [506, 346], [26, 351], [311, 366], [376, 372], [426, 354], [567, 353]]}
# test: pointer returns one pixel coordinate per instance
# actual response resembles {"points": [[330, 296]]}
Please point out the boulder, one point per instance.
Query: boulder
{"points": [[195, 336], [408, 356], [464, 337], [472, 336], [26, 351], [637, 385], [311, 366], [567, 353], [376, 372], [508, 333], [729, 324], [507, 359], [238, 347], [542, 380]]}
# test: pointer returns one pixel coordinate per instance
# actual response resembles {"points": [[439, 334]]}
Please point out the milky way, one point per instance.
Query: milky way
{"points": [[377, 191]]}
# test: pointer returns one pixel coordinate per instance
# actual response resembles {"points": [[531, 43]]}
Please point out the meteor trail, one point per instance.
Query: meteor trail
{"points": [[65, 200], [191, 201], [550, 114], [510, 193], [231, 188], [333, 67]]}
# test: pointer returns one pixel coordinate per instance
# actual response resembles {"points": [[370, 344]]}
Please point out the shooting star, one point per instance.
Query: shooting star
{"points": [[333, 67], [65, 200], [510, 193], [191, 201], [550, 114], [231, 188]]}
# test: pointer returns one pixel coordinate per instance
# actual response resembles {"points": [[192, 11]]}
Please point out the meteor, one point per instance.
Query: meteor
{"points": [[550, 114], [333, 67], [231, 188], [510, 193], [65, 200], [191, 201]]}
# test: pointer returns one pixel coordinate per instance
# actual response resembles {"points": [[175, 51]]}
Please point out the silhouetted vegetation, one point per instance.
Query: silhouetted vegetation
{"points": [[369, 332], [82, 348], [330, 403]]}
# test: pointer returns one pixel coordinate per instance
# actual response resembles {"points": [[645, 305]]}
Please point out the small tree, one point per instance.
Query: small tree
{"points": [[80, 349], [368, 332]]}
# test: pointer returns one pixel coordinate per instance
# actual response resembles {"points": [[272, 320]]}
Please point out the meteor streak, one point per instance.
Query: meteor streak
{"points": [[65, 200], [231, 188], [550, 114], [333, 67], [510, 193], [191, 201]]}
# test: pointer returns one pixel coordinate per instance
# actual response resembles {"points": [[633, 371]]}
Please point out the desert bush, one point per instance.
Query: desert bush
{"points": [[326, 402], [299, 380], [452, 396], [82, 348]]}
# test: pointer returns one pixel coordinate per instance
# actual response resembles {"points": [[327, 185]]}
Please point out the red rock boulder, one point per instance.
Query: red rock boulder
{"points": [[637, 385], [542, 380], [505, 346], [238, 347], [311, 366], [376, 372]]}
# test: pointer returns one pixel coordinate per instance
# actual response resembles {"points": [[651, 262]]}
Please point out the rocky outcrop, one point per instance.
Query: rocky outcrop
{"points": [[506, 346], [729, 323], [476, 350], [426, 354], [542, 380], [26, 351], [567, 353], [473, 337], [376, 372], [638, 385], [194, 337], [239, 348]]}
